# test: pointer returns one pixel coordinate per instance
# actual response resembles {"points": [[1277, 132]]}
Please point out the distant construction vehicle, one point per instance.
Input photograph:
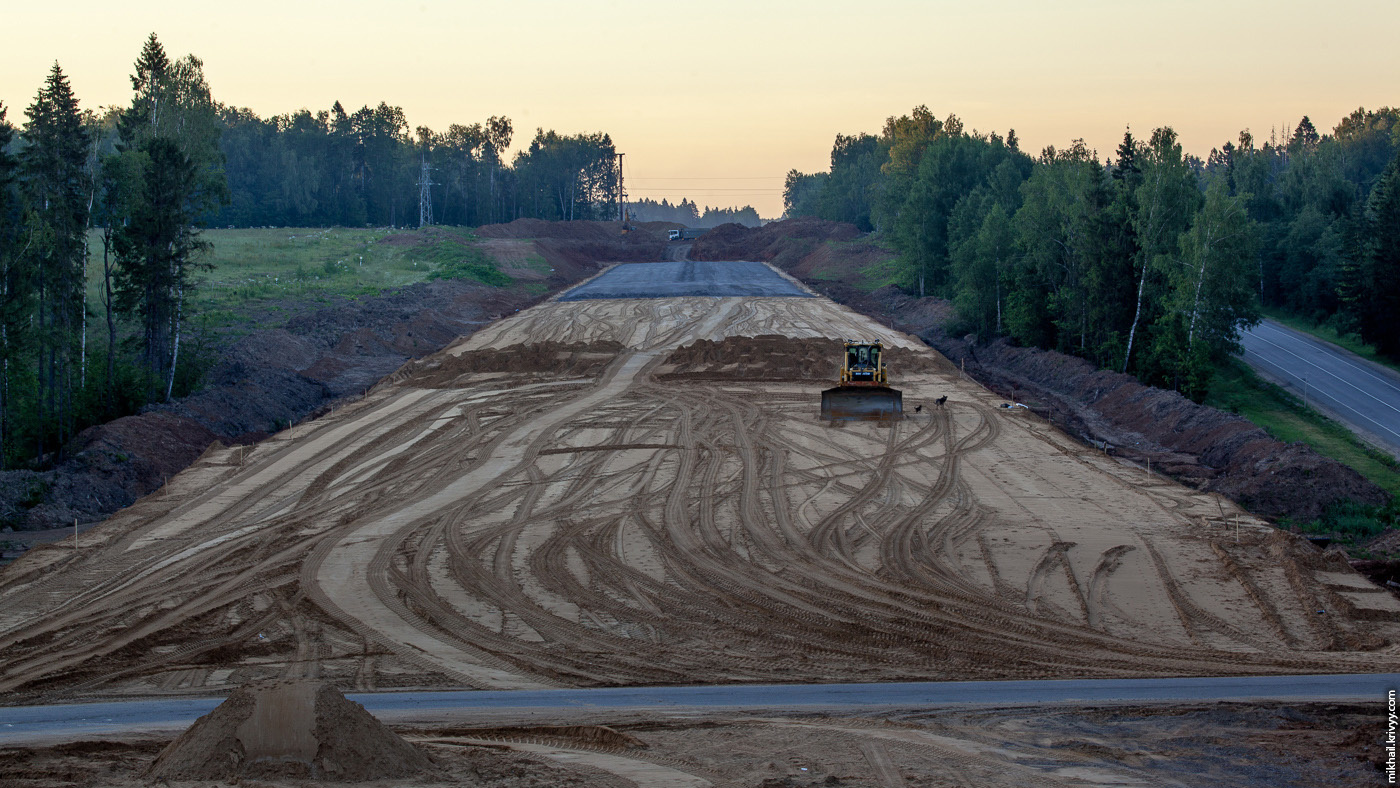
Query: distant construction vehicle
{"points": [[863, 392], [686, 233]]}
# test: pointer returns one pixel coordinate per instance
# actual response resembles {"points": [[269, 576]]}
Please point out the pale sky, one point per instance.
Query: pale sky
{"points": [[718, 100]]}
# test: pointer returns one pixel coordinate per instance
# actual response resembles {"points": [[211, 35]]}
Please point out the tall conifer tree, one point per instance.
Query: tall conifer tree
{"points": [[15, 298], [56, 179]]}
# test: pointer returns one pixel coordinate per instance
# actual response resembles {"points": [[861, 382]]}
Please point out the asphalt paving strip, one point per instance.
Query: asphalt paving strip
{"points": [[685, 279], [26, 724], [1360, 394]]}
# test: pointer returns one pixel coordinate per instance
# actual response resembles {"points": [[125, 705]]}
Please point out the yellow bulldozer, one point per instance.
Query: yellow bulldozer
{"points": [[863, 393]]}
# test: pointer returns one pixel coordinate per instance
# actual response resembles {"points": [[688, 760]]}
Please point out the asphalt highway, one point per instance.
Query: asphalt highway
{"points": [[687, 278], [22, 724], [1362, 395]]}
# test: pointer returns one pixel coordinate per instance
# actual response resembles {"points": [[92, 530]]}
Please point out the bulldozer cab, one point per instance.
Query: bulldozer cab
{"points": [[862, 363], [862, 393]]}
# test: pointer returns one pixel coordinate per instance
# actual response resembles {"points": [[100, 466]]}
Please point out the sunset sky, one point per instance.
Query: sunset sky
{"points": [[716, 101]]}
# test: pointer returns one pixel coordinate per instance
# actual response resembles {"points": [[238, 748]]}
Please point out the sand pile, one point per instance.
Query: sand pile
{"points": [[773, 357], [298, 730], [555, 358]]}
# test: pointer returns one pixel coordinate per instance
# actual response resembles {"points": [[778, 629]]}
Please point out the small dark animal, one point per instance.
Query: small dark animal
{"points": [[942, 400], [918, 408]]}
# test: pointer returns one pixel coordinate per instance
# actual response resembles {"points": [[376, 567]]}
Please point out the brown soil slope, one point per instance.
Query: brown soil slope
{"points": [[600, 525]]}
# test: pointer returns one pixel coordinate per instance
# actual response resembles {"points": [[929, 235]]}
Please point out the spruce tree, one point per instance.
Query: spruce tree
{"points": [[1126, 168], [151, 84], [16, 303], [54, 170]]}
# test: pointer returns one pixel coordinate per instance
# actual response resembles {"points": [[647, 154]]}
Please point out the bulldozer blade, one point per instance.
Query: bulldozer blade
{"points": [[862, 403]]}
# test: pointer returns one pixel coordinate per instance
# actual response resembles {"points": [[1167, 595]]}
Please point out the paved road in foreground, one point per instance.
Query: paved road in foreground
{"points": [[1362, 395], [21, 724], [686, 279]]}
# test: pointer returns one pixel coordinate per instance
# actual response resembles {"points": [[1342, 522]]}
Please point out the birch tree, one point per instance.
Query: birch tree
{"points": [[1165, 203], [1213, 287]]}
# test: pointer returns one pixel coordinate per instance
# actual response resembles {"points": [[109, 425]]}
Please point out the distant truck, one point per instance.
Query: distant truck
{"points": [[686, 233]]}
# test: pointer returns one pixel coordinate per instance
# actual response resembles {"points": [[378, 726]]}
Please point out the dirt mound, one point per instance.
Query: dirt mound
{"points": [[555, 358], [574, 249], [782, 243], [109, 466], [539, 228], [774, 357], [299, 730]]}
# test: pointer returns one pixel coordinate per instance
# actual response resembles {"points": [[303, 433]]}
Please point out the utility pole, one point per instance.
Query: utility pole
{"points": [[425, 194], [621, 195]]}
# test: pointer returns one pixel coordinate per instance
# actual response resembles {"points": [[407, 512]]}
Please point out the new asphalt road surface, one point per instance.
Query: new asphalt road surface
{"points": [[1363, 395], [683, 279], [23, 724]]}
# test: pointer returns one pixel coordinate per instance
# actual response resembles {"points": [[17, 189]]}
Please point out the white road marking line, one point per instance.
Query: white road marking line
{"points": [[1287, 373]]}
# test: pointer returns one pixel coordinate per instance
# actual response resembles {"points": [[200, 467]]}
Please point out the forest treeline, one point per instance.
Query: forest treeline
{"points": [[343, 168], [1147, 262], [119, 194], [690, 214]]}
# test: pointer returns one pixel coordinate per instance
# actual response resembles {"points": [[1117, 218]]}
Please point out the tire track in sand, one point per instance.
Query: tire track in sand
{"points": [[336, 576]]}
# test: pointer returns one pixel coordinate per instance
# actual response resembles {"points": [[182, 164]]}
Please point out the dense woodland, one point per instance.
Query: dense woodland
{"points": [[690, 214], [1147, 262], [143, 178], [366, 167]]}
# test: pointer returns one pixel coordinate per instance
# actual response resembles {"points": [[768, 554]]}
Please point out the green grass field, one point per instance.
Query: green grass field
{"points": [[259, 274]]}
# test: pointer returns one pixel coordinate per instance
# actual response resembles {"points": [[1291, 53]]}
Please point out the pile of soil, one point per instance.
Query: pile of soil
{"points": [[574, 249], [298, 730], [1199, 446], [785, 244], [773, 357], [584, 359]]}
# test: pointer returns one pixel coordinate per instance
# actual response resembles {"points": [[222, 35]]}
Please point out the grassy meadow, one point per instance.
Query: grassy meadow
{"points": [[262, 276]]}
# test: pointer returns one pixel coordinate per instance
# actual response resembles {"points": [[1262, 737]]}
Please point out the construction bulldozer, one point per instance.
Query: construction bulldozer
{"points": [[863, 393]]}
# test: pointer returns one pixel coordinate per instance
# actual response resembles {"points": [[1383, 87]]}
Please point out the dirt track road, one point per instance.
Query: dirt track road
{"points": [[570, 515]]}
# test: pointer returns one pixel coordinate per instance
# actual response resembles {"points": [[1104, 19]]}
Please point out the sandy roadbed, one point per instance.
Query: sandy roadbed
{"points": [[582, 520]]}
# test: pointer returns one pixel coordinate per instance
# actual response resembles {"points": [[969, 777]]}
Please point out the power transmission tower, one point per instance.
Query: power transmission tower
{"points": [[621, 195], [425, 195]]}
